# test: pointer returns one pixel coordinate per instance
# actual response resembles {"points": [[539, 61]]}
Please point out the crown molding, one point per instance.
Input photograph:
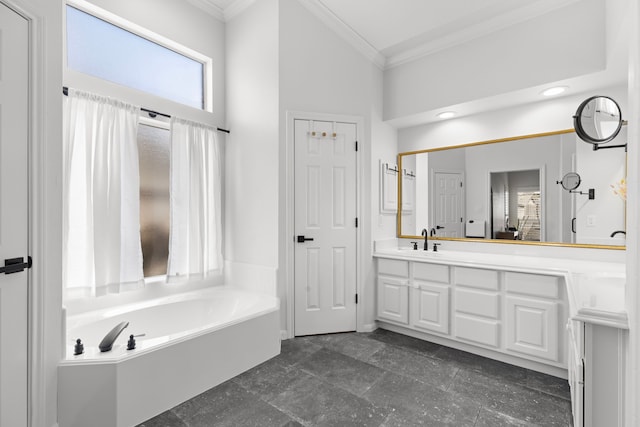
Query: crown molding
{"points": [[236, 8], [229, 12], [209, 7], [480, 29], [345, 31]]}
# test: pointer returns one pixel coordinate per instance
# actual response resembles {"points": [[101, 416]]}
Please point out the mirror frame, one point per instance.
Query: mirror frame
{"points": [[479, 240], [577, 122]]}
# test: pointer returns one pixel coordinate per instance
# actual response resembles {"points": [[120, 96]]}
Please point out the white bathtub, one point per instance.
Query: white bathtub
{"points": [[193, 341]]}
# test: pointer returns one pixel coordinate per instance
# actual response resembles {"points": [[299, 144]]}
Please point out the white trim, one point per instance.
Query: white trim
{"points": [[224, 14], [236, 8], [361, 235], [143, 32], [497, 23], [209, 7], [347, 33]]}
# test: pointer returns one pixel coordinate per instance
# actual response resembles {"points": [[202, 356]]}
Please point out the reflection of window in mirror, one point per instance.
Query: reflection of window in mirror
{"points": [[529, 215]]}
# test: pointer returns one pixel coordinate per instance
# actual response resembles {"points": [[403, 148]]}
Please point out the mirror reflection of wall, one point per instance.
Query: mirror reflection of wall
{"points": [[537, 205]]}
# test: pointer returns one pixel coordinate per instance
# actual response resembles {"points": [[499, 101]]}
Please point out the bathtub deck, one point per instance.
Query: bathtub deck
{"points": [[378, 379]]}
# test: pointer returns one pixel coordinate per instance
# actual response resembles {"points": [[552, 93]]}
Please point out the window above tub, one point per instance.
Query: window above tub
{"points": [[110, 48]]}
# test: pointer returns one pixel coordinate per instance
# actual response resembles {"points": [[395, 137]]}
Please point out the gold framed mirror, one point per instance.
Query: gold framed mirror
{"points": [[508, 191]]}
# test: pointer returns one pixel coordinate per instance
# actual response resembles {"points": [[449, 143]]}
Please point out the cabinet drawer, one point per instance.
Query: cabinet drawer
{"points": [[480, 303], [393, 267], [477, 330], [477, 278], [532, 284], [431, 272]]}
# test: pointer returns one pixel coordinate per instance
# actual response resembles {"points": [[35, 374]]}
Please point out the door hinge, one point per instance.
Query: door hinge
{"points": [[460, 184], [356, 222], [356, 145], [15, 265], [356, 298], [460, 219]]}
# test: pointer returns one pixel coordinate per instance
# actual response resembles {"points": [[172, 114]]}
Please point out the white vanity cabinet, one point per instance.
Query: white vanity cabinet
{"points": [[393, 291], [512, 316]]}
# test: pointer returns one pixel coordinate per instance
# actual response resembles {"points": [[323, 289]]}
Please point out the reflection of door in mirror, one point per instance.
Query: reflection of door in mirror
{"points": [[516, 205], [448, 215]]}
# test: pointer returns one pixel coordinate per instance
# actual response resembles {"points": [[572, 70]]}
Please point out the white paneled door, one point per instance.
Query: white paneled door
{"points": [[325, 227], [448, 204], [14, 125]]}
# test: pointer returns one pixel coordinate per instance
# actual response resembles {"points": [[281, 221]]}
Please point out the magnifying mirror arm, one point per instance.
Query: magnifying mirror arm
{"points": [[598, 147], [591, 193]]}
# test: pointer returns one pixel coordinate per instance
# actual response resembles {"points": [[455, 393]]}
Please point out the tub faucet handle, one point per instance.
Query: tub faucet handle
{"points": [[79, 348], [131, 344]]}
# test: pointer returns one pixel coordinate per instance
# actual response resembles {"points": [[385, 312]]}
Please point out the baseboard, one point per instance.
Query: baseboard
{"points": [[368, 327]]}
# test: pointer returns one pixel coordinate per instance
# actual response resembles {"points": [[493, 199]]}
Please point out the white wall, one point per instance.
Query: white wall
{"points": [[632, 292], [544, 116], [252, 161], [513, 58]]}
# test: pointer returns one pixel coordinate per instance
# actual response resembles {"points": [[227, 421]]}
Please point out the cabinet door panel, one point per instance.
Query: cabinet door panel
{"points": [[532, 327], [430, 307], [393, 299], [477, 330]]}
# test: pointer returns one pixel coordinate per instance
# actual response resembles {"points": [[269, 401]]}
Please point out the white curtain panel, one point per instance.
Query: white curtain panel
{"points": [[195, 242], [102, 251]]}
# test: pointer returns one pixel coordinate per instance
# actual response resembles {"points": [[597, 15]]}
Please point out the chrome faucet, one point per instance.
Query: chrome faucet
{"points": [[618, 232], [107, 342], [425, 233]]}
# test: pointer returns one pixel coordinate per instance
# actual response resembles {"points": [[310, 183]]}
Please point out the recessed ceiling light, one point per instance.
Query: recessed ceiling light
{"points": [[447, 114], [554, 91]]}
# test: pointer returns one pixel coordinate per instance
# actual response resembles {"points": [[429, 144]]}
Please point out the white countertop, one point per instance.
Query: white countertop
{"points": [[595, 289]]}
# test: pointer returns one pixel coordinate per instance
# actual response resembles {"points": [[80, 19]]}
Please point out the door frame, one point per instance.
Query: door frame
{"points": [[289, 275], [42, 215]]}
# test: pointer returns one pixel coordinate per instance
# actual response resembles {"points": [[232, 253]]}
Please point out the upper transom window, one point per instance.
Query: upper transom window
{"points": [[117, 54]]}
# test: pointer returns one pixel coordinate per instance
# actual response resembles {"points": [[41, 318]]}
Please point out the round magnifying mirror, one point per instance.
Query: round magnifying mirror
{"points": [[598, 120], [570, 181]]}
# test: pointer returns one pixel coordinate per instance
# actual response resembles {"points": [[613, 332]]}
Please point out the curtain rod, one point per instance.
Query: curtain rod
{"points": [[152, 114]]}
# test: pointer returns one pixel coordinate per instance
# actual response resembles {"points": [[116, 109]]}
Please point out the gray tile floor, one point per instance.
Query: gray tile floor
{"points": [[377, 379]]}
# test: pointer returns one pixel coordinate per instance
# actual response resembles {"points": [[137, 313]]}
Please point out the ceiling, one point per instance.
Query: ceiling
{"points": [[394, 32], [391, 32]]}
